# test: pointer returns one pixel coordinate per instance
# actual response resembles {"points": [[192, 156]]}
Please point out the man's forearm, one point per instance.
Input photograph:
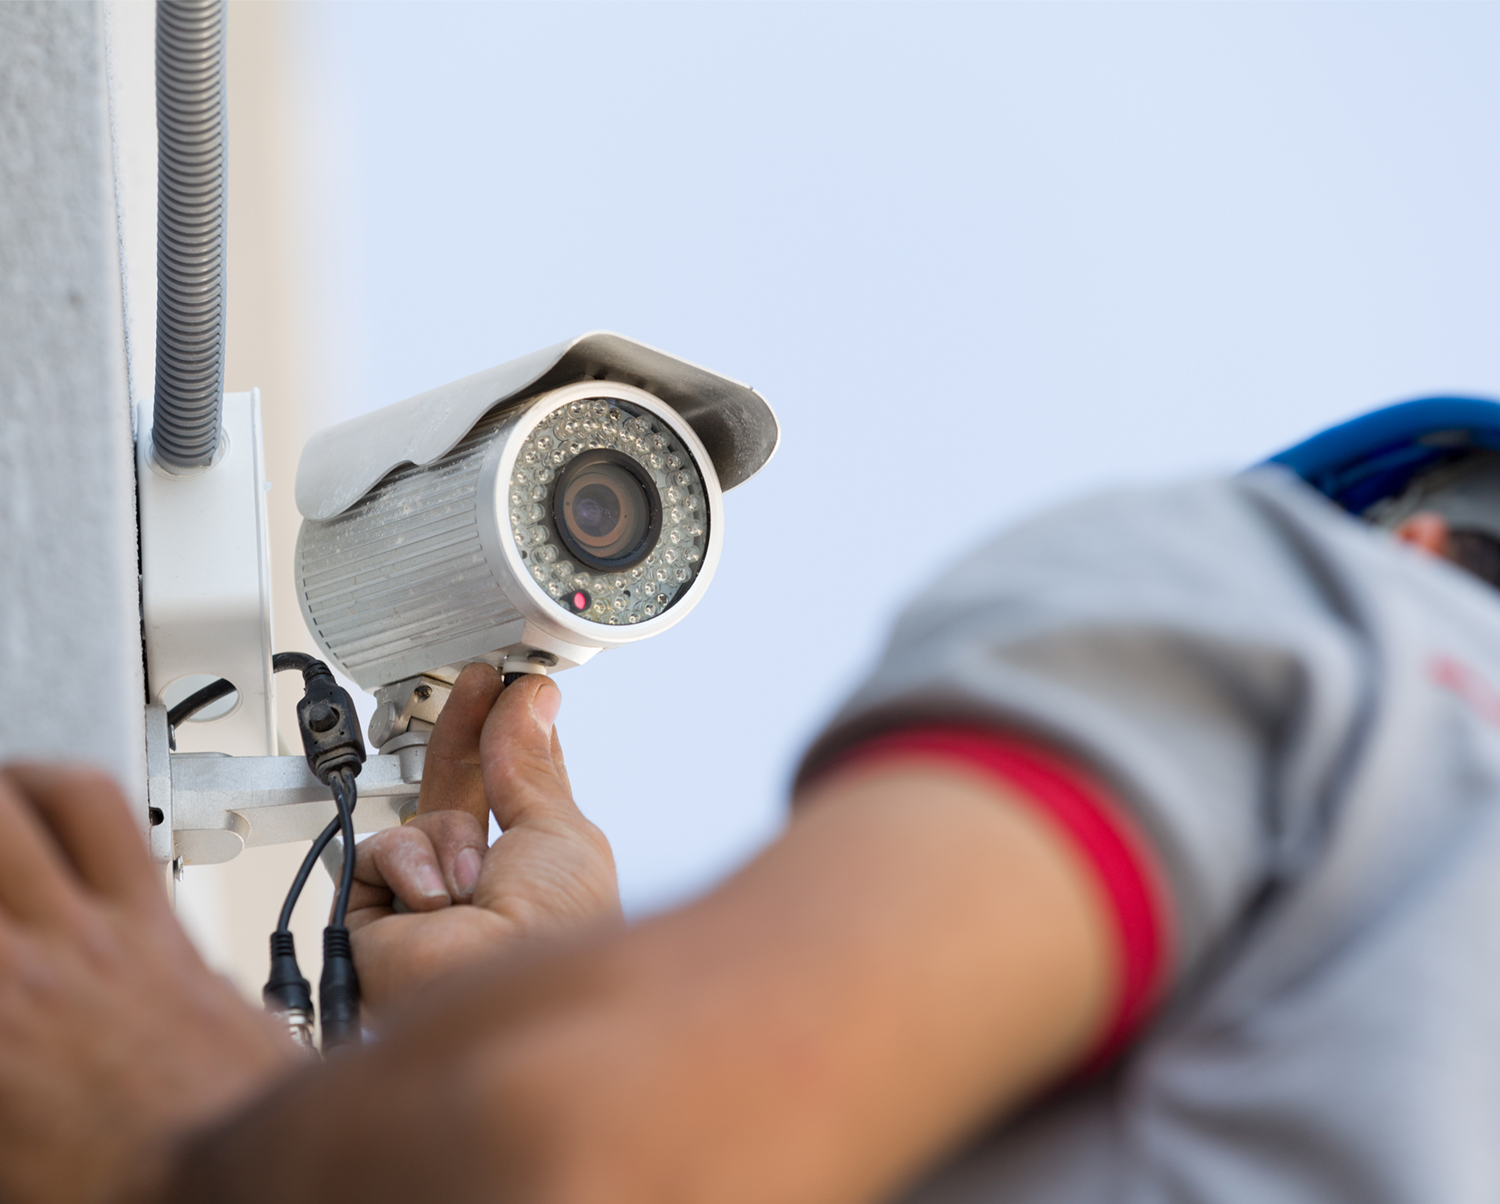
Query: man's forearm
{"points": [[917, 953]]}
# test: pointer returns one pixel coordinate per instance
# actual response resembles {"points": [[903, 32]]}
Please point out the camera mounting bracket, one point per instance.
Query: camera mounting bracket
{"points": [[207, 808]]}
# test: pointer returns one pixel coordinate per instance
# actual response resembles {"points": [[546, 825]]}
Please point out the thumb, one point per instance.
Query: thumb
{"points": [[521, 777]]}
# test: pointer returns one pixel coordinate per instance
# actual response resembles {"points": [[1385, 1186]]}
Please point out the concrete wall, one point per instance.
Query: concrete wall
{"points": [[70, 637]]}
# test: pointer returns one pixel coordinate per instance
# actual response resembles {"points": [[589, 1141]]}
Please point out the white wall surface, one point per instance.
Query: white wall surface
{"points": [[70, 636]]}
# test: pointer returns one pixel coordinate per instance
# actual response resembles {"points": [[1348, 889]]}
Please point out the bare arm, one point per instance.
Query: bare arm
{"points": [[918, 953], [113, 1034]]}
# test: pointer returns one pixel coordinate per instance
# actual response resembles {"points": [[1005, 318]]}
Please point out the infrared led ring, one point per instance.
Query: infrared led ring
{"points": [[608, 511]]}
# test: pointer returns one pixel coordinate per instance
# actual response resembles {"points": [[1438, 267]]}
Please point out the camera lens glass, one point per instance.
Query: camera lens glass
{"points": [[609, 511], [606, 510]]}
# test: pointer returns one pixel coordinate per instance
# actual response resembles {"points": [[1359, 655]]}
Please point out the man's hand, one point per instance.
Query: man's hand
{"points": [[114, 1036], [493, 750]]}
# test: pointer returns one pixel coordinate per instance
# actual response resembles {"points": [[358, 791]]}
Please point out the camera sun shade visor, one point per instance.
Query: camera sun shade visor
{"points": [[342, 463]]}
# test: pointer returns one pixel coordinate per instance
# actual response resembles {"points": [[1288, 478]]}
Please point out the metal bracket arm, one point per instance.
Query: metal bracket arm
{"points": [[215, 806]]}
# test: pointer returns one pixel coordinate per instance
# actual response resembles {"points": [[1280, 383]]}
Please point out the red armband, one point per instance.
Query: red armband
{"points": [[1095, 825]]}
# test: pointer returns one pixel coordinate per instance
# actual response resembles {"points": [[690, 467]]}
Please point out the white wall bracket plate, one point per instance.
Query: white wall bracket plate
{"points": [[206, 583]]}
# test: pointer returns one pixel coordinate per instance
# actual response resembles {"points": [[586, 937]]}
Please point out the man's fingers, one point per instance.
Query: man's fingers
{"points": [[36, 884], [424, 864], [522, 775], [91, 820], [460, 842], [403, 861], [365, 897], [452, 775], [366, 905]]}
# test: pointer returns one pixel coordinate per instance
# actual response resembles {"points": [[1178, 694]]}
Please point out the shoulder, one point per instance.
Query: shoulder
{"points": [[1249, 548]]}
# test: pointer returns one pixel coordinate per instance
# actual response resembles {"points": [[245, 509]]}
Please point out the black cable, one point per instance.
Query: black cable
{"points": [[342, 785], [335, 751], [345, 797], [301, 662], [338, 990], [284, 923], [286, 993], [196, 701]]}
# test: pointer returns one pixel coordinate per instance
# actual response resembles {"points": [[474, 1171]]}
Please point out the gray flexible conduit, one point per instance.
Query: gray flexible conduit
{"points": [[192, 126]]}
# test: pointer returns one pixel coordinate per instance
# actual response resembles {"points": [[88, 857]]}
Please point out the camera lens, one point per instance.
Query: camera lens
{"points": [[607, 510]]}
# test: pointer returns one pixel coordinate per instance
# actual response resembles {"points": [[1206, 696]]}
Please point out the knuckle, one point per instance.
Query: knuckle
{"points": [[446, 825], [404, 844], [367, 852]]}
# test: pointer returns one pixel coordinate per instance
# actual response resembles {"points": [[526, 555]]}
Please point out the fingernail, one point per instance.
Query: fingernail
{"points": [[545, 705], [466, 871], [430, 882]]}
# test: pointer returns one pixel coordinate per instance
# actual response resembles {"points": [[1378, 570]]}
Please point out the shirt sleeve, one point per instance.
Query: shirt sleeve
{"points": [[1102, 834], [1189, 649]]}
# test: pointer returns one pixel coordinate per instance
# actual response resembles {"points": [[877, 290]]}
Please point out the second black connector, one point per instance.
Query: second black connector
{"points": [[338, 992]]}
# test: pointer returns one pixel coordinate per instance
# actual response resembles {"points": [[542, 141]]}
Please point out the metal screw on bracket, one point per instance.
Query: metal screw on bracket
{"points": [[423, 693]]}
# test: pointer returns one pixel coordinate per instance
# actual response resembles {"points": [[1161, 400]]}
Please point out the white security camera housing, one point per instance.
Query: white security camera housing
{"points": [[527, 516]]}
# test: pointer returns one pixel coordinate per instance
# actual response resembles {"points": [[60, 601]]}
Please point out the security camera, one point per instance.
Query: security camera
{"points": [[528, 516]]}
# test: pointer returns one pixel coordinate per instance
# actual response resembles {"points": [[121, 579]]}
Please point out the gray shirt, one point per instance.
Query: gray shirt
{"points": [[1302, 716]]}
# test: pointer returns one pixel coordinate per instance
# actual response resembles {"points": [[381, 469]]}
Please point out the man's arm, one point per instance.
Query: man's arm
{"points": [[116, 1039], [920, 952], [113, 1034]]}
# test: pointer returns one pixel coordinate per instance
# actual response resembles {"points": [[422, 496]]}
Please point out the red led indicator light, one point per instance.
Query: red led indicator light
{"points": [[580, 601]]}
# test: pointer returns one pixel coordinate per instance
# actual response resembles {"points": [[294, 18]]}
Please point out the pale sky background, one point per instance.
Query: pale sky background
{"points": [[978, 258]]}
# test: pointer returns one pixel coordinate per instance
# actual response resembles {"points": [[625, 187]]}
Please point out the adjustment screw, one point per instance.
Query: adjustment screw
{"points": [[321, 717], [423, 693]]}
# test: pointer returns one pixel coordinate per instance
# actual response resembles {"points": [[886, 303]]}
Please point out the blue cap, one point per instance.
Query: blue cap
{"points": [[1372, 457]]}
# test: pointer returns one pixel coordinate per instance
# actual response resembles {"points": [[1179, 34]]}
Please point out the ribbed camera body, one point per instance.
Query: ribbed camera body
{"points": [[583, 518]]}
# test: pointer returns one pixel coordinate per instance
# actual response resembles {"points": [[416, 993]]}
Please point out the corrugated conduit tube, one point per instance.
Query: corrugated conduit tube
{"points": [[192, 125]]}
